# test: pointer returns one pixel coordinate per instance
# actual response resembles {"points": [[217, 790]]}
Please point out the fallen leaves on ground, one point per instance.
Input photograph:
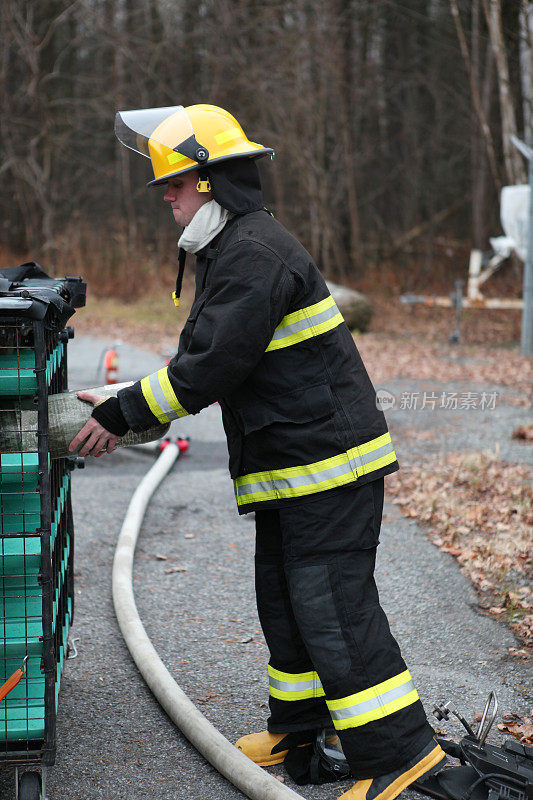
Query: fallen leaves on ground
{"points": [[518, 652], [387, 358], [479, 510], [210, 695], [524, 432], [486, 327], [520, 728]]}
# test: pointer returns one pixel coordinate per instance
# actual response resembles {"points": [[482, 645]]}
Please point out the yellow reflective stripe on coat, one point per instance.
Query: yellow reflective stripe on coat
{"points": [[160, 396], [379, 701], [305, 323], [294, 686], [336, 471]]}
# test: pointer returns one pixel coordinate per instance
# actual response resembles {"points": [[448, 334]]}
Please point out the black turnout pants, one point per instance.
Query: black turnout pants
{"points": [[333, 659]]}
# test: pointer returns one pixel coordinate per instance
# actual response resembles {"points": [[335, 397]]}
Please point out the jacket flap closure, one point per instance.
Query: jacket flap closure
{"points": [[296, 408], [197, 306]]}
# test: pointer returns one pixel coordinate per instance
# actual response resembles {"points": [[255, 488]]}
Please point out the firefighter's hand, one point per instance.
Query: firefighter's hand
{"points": [[97, 440]]}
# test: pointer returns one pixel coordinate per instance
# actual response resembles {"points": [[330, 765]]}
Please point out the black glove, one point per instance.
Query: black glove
{"points": [[109, 415]]}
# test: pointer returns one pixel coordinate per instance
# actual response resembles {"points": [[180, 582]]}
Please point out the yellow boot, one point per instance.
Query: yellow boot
{"points": [[387, 787], [259, 746]]}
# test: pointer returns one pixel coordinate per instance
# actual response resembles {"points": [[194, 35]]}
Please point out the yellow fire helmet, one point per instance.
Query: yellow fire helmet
{"points": [[179, 139]]}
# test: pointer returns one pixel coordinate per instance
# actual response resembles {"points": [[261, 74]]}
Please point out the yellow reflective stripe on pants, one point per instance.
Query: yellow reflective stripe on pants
{"points": [[371, 704], [294, 686], [318, 477], [305, 323], [160, 396]]}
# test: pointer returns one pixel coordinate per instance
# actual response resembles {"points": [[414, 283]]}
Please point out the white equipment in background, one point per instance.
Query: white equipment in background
{"points": [[514, 214]]}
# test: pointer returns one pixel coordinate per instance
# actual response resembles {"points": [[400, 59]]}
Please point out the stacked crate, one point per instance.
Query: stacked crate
{"points": [[36, 531]]}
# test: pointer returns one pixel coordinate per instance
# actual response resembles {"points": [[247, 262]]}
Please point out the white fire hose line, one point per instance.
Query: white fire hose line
{"points": [[224, 756]]}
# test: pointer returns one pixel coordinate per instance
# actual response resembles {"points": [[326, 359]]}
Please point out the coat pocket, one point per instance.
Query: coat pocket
{"points": [[306, 405], [188, 328]]}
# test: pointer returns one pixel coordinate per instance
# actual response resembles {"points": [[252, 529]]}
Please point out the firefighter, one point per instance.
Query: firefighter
{"points": [[308, 450]]}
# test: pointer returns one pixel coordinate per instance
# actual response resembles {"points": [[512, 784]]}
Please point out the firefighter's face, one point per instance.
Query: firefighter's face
{"points": [[184, 197]]}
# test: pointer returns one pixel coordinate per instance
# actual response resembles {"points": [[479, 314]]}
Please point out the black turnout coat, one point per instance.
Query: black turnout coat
{"points": [[265, 339]]}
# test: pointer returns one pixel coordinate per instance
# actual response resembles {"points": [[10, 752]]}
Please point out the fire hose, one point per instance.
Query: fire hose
{"points": [[253, 781]]}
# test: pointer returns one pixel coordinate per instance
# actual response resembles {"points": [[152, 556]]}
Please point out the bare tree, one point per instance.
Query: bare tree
{"points": [[513, 161], [526, 67], [384, 114]]}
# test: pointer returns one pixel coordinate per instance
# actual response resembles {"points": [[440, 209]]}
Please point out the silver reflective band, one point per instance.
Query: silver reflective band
{"points": [[294, 481], [294, 686], [374, 703], [300, 686], [159, 396], [343, 468], [359, 462], [305, 323]]}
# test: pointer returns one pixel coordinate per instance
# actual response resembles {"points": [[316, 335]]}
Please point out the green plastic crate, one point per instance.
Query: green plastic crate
{"points": [[62, 651], [32, 683], [17, 373], [53, 361], [19, 469], [20, 555], [20, 511], [59, 507], [63, 570], [22, 719], [21, 608], [20, 636]]}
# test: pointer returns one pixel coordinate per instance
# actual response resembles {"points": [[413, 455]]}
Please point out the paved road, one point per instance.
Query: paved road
{"points": [[114, 742]]}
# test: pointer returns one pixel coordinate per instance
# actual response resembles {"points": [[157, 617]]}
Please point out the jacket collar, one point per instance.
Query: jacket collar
{"points": [[213, 244]]}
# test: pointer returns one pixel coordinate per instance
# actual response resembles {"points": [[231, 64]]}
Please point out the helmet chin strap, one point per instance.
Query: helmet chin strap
{"points": [[182, 255], [204, 184]]}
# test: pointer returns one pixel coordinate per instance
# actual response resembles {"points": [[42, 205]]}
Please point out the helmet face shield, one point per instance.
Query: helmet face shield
{"points": [[169, 126]]}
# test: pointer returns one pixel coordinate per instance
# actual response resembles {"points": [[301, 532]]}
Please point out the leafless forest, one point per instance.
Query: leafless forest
{"points": [[390, 119]]}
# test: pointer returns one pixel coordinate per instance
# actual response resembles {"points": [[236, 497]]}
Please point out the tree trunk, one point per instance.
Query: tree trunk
{"points": [[514, 166], [347, 110], [484, 77], [474, 88], [526, 66]]}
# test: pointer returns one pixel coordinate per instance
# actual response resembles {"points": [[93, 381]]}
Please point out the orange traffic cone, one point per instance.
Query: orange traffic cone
{"points": [[111, 366]]}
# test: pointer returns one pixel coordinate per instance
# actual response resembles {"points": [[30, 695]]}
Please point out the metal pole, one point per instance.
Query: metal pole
{"points": [[527, 311]]}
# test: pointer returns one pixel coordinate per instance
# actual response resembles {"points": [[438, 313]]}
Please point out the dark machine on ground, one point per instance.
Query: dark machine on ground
{"points": [[484, 772]]}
